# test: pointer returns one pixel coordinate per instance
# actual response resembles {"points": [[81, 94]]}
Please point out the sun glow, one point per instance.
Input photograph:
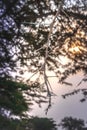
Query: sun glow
{"points": [[76, 48]]}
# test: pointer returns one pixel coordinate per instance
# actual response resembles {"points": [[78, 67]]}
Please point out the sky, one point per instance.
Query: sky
{"points": [[71, 106]]}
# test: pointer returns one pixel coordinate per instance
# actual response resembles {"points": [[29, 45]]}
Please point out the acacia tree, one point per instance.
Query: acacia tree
{"points": [[35, 35], [70, 123]]}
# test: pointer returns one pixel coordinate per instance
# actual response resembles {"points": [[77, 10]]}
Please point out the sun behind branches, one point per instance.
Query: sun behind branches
{"points": [[76, 48]]}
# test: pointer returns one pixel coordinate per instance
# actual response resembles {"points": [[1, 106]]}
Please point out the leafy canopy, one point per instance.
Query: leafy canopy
{"points": [[35, 36]]}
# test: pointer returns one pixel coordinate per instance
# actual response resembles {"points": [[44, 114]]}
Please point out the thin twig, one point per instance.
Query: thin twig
{"points": [[36, 71]]}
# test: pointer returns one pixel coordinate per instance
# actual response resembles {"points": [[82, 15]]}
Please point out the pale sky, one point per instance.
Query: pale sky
{"points": [[71, 106]]}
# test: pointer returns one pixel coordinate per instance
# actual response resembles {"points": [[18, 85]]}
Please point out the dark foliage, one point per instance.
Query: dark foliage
{"points": [[70, 123], [23, 30], [17, 98], [43, 124], [34, 123]]}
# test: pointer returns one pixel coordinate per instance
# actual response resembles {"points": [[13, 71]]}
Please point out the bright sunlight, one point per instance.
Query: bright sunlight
{"points": [[76, 48]]}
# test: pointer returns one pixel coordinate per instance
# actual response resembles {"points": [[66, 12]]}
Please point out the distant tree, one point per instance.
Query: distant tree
{"points": [[70, 123], [43, 124], [34, 123]]}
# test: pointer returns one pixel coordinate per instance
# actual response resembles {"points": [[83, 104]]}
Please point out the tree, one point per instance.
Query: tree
{"points": [[43, 124], [8, 124], [28, 33], [23, 30], [70, 123], [35, 123], [16, 98]]}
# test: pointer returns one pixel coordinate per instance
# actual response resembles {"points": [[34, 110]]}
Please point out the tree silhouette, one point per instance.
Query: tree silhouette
{"points": [[43, 124], [35, 123], [16, 98], [70, 123]]}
